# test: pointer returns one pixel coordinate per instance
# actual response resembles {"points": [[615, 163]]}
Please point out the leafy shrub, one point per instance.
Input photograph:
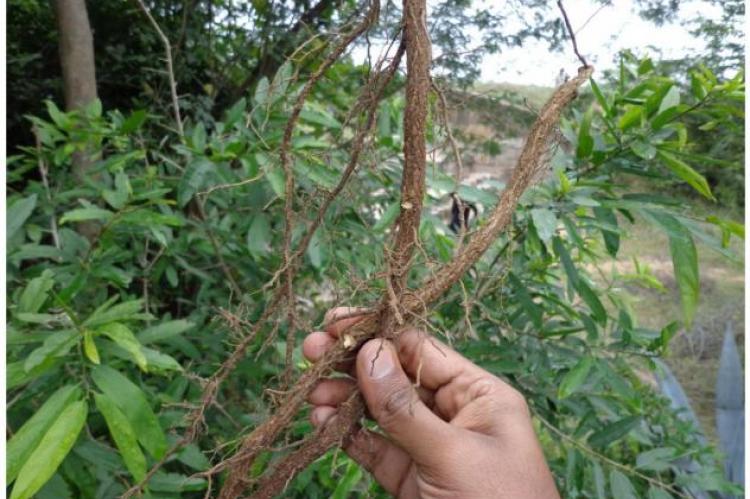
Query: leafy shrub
{"points": [[110, 338]]}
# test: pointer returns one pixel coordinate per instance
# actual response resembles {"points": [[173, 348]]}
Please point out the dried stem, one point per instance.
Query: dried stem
{"points": [[42, 165], [170, 69], [572, 34], [418, 59], [285, 158], [529, 164], [336, 432]]}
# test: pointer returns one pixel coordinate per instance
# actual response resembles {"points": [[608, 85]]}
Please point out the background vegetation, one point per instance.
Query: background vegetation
{"points": [[132, 276]]}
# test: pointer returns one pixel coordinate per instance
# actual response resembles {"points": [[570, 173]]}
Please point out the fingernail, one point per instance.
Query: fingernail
{"points": [[319, 417], [382, 363]]}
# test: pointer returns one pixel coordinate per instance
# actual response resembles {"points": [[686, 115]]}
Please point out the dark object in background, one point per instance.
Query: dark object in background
{"points": [[459, 205], [730, 409]]}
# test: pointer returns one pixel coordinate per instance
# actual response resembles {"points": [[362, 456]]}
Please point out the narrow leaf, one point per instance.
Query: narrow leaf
{"points": [[25, 440], [83, 214], [89, 347], [124, 337], [123, 435], [621, 486], [687, 173], [574, 378], [17, 215], [52, 449], [614, 431], [133, 403]]}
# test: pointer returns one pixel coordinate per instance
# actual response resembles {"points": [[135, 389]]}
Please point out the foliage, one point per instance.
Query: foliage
{"points": [[117, 332], [222, 48]]}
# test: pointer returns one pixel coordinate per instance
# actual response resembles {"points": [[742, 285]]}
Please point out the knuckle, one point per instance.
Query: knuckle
{"points": [[395, 404], [503, 398]]}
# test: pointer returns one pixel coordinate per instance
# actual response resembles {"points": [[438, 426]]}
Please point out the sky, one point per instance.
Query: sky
{"points": [[610, 29]]}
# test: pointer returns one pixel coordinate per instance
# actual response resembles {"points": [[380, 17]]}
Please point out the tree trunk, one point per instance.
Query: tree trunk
{"points": [[79, 77], [76, 53]]}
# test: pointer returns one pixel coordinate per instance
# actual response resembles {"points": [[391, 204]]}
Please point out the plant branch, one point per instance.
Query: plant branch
{"points": [[572, 34], [170, 68]]}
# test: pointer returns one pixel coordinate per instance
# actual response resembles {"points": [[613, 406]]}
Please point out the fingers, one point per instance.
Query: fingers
{"points": [[394, 403], [432, 362], [332, 392], [384, 460], [339, 319], [316, 344]]}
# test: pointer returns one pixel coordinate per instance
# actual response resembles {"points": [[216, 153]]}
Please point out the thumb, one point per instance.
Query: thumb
{"points": [[395, 405]]}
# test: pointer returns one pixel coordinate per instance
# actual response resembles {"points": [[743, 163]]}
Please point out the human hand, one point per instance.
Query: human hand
{"points": [[461, 433]]}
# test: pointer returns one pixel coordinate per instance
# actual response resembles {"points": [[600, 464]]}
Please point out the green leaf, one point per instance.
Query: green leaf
{"points": [[533, 310], [173, 482], [281, 81], [585, 140], [193, 179], [317, 172], [600, 482], [670, 100], [83, 214], [260, 97], [60, 118], [658, 459], [17, 215], [316, 115], [388, 217], [159, 361], [589, 296], [686, 173], [645, 66], [107, 313], [192, 456], [89, 347], [653, 102], [198, 138], [657, 493], [315, 250], [123, 436], [611, 237], [124, 337], [631, 117], [620, 486], [643, 149], [164, 331], [684, 262], [276, 178], [259, 236], [52, 449], [600, 97], [119, 196], [346, 484], [567, 263], [574, 378], [696, 86], [133, 403], [58, 343], [545, 222], [36, 292], [94, 108], [133, 122], [613, 431], [26, 439]]}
